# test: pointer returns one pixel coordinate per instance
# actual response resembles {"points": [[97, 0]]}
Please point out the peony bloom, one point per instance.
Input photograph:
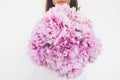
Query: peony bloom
{"points": [[64, 41]]}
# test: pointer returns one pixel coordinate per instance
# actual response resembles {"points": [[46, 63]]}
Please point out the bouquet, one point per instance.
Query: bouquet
{"points": [[64, 41]]}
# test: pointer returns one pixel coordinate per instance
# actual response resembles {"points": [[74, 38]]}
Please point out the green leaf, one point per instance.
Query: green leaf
{"points": [[78, 9], [47, 44]]}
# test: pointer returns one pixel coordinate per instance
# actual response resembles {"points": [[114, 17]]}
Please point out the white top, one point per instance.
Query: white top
{"points": [[41, 73]]}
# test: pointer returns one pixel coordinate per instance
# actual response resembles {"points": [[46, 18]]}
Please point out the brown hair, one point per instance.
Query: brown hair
{"points": [[49, 4]]}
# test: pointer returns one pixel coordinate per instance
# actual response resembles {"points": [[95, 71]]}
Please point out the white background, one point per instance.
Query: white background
{"points": [[17, 19]]}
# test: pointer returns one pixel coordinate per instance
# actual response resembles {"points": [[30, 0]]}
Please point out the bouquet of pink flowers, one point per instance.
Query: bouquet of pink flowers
{"points": [[64, 41]]}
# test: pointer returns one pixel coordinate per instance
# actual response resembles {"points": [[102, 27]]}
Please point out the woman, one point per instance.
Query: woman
{"points": [[52, 3], [42, 73]]}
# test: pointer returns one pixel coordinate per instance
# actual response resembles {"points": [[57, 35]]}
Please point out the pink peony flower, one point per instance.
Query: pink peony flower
{"points": [[64, 41]]}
